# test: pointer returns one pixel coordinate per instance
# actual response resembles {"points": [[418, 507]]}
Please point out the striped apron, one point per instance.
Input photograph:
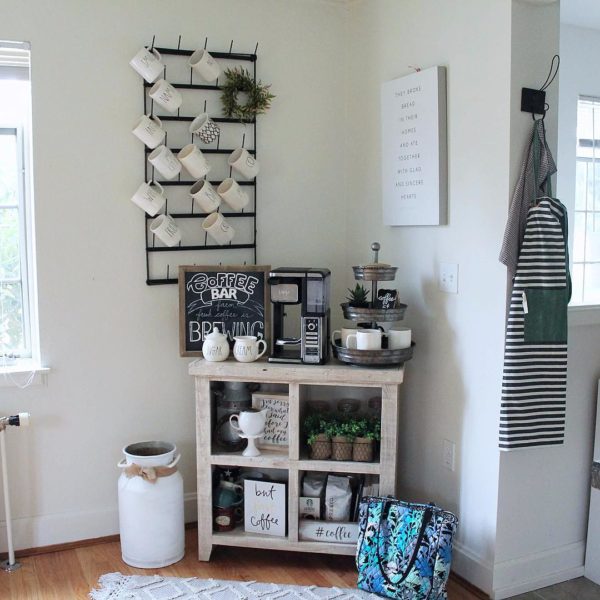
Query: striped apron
{"points": [[535, 358]]}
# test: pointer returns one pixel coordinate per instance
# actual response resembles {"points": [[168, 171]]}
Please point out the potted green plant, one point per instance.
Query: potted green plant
{"points": [[358, 297], [315, 429], [341, 433], [368, 431]]}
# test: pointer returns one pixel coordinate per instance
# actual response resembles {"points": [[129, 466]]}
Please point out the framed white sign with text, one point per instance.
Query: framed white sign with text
{"points": [[265, 507], [414, 149]]}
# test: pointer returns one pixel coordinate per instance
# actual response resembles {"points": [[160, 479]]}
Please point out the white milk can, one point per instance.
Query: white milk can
{"points": [[151, 505]]}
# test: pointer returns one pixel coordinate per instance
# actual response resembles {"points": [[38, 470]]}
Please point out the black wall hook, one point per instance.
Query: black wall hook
{"points": [[534, 101]]}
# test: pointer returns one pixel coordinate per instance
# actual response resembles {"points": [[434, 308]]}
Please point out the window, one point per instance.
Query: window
{"points": [[18, 322], [586, 226]]}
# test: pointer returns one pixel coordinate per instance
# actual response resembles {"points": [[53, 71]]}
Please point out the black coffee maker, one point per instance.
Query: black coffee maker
{"points": [[300, 303]]}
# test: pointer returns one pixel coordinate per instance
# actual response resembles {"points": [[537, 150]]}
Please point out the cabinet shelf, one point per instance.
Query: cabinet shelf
{"points": [[268, 459], [288, 463], [339, 466], [241, 539]]}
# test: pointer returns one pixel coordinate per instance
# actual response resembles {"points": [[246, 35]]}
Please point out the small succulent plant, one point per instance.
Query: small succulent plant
{"points": [[358, 296]]}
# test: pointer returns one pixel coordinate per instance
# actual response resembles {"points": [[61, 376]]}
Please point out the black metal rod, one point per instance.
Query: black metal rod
{"points": [[160, 281], [255, 183], [206, 150], [189, 86], [230, 55], [215, 182], [215, 119], [229, 215], [184, 248]]}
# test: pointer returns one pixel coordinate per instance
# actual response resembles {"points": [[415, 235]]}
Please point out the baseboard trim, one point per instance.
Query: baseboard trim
{"points": [[56, 532], [472, 568], [527, 573], [107, 539], [475, 591]]}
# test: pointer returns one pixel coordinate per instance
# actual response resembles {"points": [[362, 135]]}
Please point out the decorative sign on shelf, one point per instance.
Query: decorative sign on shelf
{"points": [[276, 425], [265, 507], [414, 152], [234, 299], [328, 531], [386, 299]]}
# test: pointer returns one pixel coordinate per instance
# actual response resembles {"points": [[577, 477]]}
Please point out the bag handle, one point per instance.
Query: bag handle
{"points": [[427, 514]]}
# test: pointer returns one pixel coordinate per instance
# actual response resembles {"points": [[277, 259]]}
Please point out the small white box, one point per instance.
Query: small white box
{"points": [[265, 507]]}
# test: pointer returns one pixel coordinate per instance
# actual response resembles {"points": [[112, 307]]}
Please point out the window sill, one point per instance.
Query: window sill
{"points": [[582, 315], [23, 373]]}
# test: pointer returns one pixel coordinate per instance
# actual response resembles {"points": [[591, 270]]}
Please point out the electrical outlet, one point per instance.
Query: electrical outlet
{"points": [[449, 278], [448, 454]]}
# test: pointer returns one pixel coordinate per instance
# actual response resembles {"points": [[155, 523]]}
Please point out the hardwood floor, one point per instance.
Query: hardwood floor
{"points": [[72, 573]]}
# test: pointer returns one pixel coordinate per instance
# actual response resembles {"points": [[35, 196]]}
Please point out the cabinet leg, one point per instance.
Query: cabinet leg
{"points": [[204, 551]]}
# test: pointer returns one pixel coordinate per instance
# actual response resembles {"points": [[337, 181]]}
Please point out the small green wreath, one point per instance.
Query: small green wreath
{"points": [[259, 97]]}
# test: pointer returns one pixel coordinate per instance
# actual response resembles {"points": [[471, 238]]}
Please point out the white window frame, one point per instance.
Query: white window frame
{"points": [[576, 303], [29, 360]]}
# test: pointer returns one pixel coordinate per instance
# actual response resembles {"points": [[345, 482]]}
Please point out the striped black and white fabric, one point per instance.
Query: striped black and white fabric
{"points": [[535, 371], [534, 181]]}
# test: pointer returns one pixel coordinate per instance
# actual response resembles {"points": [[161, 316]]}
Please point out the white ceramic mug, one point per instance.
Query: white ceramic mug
{"points": [[148, 64], [249, 422], [150, 197], [205, 128], [366, 339], [165, 162], [218, 228], [399, 338], [205, 196], [343, 334], [149, 130], [194, 161], [166, 230], [244, 163], [230, 190], [205, 65], [246, 348], [166, 95]]}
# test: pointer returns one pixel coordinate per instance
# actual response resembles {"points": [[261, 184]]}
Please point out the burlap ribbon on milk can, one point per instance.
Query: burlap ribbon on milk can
{"points": [[150, 474]]}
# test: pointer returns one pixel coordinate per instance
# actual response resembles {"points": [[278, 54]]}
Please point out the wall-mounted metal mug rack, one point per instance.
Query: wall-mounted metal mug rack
{"points": [[161, 272]]}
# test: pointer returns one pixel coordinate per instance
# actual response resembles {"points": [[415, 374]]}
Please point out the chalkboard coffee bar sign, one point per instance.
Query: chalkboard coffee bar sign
{"points": [[232, 298]]}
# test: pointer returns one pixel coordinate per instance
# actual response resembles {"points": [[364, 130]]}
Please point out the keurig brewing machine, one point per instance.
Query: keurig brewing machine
{"points": [[303, 337]]}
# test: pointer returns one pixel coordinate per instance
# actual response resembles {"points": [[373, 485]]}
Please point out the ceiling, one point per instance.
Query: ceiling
{"points": [[583, 13]]}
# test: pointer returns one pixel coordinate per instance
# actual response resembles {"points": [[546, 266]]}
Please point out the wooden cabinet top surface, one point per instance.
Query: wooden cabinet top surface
{"points": [[333, 373]]}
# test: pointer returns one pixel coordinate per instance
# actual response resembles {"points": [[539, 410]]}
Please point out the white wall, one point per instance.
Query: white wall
{"points": [[452, 386], [544, 493], [111, 341]]}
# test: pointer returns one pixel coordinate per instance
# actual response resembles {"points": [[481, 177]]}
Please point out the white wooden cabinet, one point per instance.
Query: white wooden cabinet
{"points": [[299, 379]]}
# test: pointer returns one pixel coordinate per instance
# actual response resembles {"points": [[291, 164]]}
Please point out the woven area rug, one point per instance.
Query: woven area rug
{"points": [[115, 586]]}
